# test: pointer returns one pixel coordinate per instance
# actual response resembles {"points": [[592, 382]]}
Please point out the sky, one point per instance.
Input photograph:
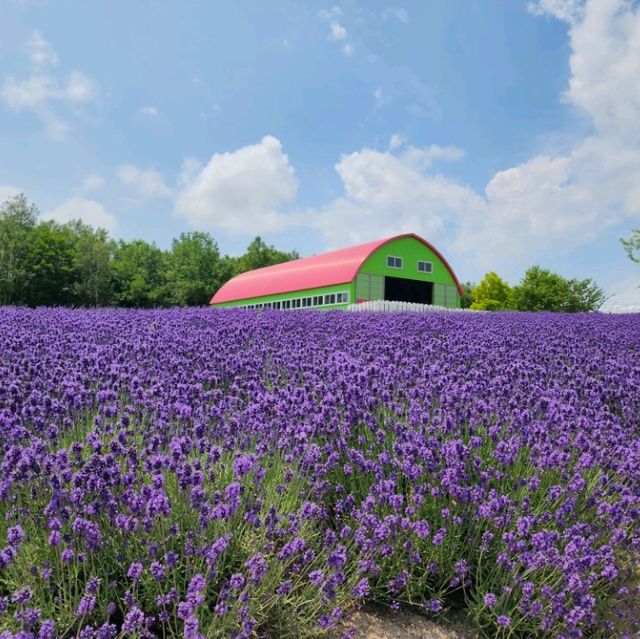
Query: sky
{"points": [[504, 133]]}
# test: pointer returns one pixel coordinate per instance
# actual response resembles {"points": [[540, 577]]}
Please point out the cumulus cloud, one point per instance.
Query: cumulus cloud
{"points": [[385, 194], [241, 192], [425, 157], [88, 211], [146, 183], [43, 92], [545, 206]]}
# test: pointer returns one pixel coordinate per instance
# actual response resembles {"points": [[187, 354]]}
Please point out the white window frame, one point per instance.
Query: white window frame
{"points": [[395, 257], [425, 262]]}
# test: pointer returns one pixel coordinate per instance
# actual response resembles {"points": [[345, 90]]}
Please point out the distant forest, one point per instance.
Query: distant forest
{"points": [[43, 263]]}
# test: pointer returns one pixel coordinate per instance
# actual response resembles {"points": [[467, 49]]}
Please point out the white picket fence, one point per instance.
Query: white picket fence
{"points": [[387, 306]]}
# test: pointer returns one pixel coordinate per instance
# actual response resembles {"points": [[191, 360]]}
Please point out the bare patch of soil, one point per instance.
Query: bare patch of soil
{"points": [[378, 623]]}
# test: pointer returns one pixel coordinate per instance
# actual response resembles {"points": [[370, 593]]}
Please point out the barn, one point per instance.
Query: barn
{"points": [[404, 268]]}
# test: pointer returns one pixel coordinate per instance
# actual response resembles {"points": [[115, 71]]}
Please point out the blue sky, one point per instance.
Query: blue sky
{"points": [[504, 132]]}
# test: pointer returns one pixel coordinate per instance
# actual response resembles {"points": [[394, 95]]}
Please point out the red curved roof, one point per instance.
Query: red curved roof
{"points": [[327, 269]]}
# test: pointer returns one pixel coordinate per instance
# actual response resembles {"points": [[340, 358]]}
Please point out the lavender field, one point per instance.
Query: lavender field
{"points": [[194, 473]]}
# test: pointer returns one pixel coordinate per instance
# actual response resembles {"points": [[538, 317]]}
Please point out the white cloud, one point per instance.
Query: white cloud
{"points": [[44, 93], [79, 88], [92, 182], [189, 171], [79, 208], [396, 141], [147, 183], [41, 52], [386, 194], [338, 32], [27, 94], [148, 110], [242, 192], [543, 207], [7, 191], [425, 157], [566, 10]]}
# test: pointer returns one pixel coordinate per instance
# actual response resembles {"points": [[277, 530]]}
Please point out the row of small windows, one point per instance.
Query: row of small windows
{"points": [[396, 262], [313, 301]]}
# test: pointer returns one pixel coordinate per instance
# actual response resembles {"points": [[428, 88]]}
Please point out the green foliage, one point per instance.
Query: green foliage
{"points": [[274, 488], [491, 294], [139, 275], [260, 254], [632, 246], [43, 263], [51, 265], [543, 290], [467, 295], [584, 295], [18, 220], [92, 255], [192, 273]]}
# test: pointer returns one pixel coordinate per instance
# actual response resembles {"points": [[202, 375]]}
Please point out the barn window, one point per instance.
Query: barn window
{"points": [[394, 262], [425, 267], [317, 300]]}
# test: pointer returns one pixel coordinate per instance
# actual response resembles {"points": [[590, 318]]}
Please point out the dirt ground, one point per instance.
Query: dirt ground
{"points": [[376, 623]]}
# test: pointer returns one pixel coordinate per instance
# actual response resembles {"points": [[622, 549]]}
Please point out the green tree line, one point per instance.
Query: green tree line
{"points": [[43, 263], [539, 290]]}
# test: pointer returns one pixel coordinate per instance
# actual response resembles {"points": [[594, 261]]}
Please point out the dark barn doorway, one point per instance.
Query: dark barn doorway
{"points": [[398, 289]]}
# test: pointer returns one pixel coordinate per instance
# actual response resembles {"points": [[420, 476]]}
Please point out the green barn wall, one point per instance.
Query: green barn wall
{"points": [[338, 288], [445, 292]]}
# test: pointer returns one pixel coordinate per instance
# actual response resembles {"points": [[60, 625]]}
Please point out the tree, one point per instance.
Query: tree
{"points": [[18, 219], [193, 272], [50, 261], [542, 290], [467, 295], [491, 294], [632, 245], [583, 295], [139, 274], [92, 254], [260, 254]]}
